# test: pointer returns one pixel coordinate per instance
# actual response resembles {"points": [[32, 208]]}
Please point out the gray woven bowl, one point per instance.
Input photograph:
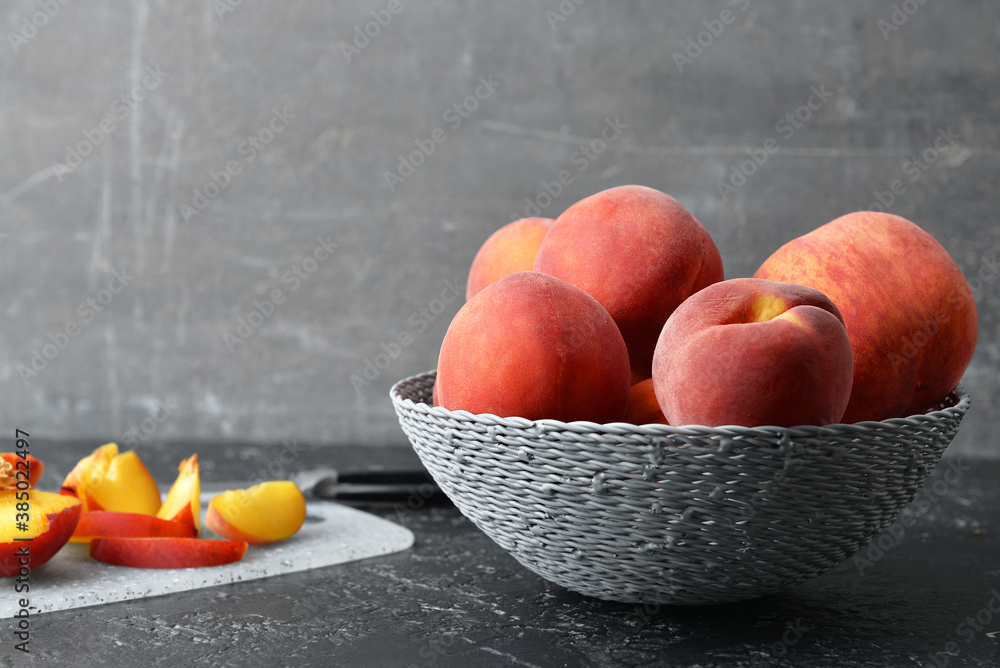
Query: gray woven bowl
{"points": [[675, 515]]}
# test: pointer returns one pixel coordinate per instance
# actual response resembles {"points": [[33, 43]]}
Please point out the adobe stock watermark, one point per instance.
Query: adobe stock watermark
{"points": [[254, 144], [562, 12], [900, 14], [223, 7], [786, 127], [923, 334], [455, 116], [138, 434], [119, 111], [792, 635], [914, 168], [293, 277], [967, 629], [418, 323], [29, 26], [364, 34], [581, 159], [926, 499], [87, 310], [769, 487], [695, 46], [278, 463]]}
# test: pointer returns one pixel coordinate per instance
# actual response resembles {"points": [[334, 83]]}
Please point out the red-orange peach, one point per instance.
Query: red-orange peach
{"points": [[534, 346], [639, 252], [909, 311], [642, 405], [510, 249], [752, 352]]}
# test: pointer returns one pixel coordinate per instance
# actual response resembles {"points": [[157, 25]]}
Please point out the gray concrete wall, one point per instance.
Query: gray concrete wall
{"points": [[163, 95]]}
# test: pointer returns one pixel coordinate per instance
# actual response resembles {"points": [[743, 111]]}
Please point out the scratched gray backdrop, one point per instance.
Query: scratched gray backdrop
{"points": [[113, 115]]}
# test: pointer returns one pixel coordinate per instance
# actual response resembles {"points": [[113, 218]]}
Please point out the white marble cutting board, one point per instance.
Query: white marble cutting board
{"points": [[332, 534]]}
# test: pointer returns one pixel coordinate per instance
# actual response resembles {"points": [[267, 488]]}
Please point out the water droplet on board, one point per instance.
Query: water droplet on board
{"points": [[599, 486]]}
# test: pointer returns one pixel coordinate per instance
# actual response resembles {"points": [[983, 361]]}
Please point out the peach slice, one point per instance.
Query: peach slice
{"points": [[106, 480], [166, 552], [73, 483], [34, 525], [264, 513], [183, 502], [30, 465], [110, 524]]}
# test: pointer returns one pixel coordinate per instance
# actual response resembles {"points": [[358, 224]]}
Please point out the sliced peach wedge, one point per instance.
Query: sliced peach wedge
{"points": [[34, 525], [264, 513], [107, 480], [110, 524], [166, 552], [183, 502]]}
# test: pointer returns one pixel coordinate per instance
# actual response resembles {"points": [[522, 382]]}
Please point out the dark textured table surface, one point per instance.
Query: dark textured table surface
{"points": [[930, 598]]}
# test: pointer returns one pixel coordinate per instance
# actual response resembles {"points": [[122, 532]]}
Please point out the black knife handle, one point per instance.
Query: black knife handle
{"points": [[415, 477]]}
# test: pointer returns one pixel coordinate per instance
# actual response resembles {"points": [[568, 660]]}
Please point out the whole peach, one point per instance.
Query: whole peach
{"points": [[510, 249], [643, 407], [638, 252], [534, 346], [909, 311], [752, 352]]}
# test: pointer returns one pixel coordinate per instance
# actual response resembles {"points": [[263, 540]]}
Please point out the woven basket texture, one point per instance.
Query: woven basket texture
{"points": [[675, 515]]}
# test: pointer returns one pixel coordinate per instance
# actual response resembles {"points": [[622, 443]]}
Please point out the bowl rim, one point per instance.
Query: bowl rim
{"points": [[962, 402]]}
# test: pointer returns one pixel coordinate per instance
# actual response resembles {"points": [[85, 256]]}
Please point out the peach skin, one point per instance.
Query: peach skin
{"points": [[113, 524], [909, 311], [510, 249], [752, 352], [639, 253], [534, 346], [642, 406], [166, 552]]}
